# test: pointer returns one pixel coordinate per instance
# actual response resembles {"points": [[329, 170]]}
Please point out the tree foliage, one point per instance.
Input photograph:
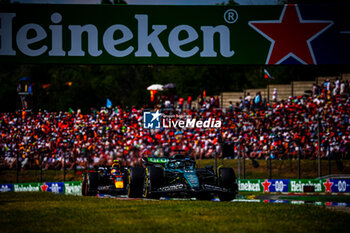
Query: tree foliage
{"points": [[60, 87]]}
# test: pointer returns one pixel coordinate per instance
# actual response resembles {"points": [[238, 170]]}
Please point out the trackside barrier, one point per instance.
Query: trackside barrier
{"points": [[67, 188], [244, 185], [294, 185]]}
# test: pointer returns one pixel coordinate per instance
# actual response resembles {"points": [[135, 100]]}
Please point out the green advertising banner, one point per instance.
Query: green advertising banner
{"points": [[122, 34], [27, 187], [72, 188], [297, 186], [250, 185]]}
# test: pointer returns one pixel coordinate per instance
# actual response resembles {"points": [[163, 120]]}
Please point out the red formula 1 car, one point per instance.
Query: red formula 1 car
{"points": [[106, 180]]}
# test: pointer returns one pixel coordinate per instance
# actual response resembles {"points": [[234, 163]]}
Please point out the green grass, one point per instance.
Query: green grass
{"points": [[45, 212], [326, 198], [314, 198], [281, 169]]}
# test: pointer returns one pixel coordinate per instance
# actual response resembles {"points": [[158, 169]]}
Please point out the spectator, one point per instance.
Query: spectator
{"points": [[181, 103], [230, 107], [336, 87], [247, 100], [284, 128], [189, 102], [257, 100], [241, 103], [274, 95]]}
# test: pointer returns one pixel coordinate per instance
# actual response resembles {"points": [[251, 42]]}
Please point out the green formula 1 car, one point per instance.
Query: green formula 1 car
{"points": [[179, 177]]}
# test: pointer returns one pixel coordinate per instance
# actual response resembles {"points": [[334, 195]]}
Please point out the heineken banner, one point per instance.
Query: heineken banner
{"points": [[244, 185], [68, 188], [54, 187], [298, 185], [338, 185], [266, 185], [6, 187], [114, 34], [294, 185], [72, 188], [27, 187]]}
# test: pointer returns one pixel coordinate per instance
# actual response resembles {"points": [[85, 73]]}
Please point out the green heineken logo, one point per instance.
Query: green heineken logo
{"points": [[72, 188], [27, 187], [144, 38], [290, 34]]}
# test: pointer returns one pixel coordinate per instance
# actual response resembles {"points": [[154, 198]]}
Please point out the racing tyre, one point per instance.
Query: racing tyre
{"points": [[155, 179], [136, 182], [227, 179], [91, 184]]}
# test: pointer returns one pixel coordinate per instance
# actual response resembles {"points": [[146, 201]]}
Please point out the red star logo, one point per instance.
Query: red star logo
{"points": [[44, 187], [290, 36], [266, 185], [328, 203], [328, 186]]}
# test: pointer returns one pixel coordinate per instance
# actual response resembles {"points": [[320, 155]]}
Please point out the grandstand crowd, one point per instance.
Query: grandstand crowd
{"points": [[253, 128]]}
